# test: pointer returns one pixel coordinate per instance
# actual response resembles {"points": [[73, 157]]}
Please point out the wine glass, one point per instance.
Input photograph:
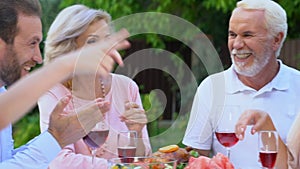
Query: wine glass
{"points": [[127, 142], [268, 148], [225, 130], [97, 137]]}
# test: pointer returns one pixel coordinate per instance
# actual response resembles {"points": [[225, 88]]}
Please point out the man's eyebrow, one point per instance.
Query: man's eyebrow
{"points": [[245, 32], [248, 32], [93, 35], [36, 38]]}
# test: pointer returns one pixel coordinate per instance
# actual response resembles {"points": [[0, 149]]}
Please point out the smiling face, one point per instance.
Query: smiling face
{"points": [[96, 31], [18, 58], [249, 42]]}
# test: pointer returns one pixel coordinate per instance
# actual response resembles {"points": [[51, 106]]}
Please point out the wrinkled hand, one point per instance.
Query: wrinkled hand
{"points": [[68, 127], [259, 119], [134, 117]]}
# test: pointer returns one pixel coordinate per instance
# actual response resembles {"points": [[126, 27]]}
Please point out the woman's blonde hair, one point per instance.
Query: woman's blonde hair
{"points": [[69, 24]]}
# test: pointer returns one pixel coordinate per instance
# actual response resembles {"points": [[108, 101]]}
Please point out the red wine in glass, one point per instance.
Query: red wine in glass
{"points": [[125, 152], [227, 139], [95, 139], [225, 128], [127, 143], [268, 158], [268, 148]]}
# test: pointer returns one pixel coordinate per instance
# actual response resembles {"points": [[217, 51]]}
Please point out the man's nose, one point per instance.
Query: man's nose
{"points": [[37, 56], [238, 43]]}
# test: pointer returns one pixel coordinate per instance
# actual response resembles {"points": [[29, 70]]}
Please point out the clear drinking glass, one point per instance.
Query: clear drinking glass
{"points": [[268, 148], [97, 137], [225, 130], [127, 143]]}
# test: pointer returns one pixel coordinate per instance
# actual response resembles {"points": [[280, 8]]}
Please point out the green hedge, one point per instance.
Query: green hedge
{"points": [[26, 128]]}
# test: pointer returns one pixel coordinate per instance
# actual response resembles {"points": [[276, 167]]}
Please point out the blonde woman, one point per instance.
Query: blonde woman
{"points": [[20, 36], [73, 28]]}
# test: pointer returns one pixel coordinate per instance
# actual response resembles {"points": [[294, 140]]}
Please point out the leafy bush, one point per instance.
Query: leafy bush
{"points": [[26, 128]]}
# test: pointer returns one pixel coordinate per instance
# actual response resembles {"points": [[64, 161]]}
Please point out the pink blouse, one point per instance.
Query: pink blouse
{"points": [[78, 155]]}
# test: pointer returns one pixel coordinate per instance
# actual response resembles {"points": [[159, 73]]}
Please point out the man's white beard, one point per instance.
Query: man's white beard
{"points": [[254, 69]]}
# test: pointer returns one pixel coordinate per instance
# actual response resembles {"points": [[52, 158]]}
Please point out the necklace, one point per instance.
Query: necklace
{"points": [[102, 88]]}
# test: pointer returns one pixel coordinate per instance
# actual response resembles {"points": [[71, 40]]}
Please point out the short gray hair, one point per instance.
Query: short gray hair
{"points": [[70, 23], [275, 15]]}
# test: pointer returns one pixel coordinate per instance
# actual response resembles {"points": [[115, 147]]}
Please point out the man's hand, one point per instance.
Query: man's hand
{"points": [[259, 119], [134, 117], [99, 57], [68, 127]]}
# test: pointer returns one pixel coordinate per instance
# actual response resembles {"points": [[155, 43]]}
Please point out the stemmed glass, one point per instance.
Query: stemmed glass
{"points": [[268, 148], [225, 130], [97, 137], [127, 143]]}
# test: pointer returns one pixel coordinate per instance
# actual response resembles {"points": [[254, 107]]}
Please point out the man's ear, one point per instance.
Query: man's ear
{"points": [[2, 47], [277, 40], [2, 43]]}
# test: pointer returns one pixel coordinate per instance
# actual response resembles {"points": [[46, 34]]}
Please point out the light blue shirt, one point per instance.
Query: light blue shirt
{"points": [[37, 153]]}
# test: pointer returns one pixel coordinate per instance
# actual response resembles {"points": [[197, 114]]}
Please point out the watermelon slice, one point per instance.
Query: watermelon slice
{"points": [[219, 161]]}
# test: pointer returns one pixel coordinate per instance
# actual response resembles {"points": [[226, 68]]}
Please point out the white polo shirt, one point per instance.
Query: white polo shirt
{"points": [[280, 98]]}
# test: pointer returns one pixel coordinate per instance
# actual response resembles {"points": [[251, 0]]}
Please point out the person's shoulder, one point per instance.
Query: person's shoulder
{"points": [[217, 76], [292, 71], [123, 84], [291, 76], [212, 81], [122, 78], [59, 89]]}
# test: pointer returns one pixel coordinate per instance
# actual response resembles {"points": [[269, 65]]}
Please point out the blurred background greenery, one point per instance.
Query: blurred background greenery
{"points": [[211, 16]]}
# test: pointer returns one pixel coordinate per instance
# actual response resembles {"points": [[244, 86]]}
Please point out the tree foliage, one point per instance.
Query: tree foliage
{"points": [[202, 14], [211, 16]]}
